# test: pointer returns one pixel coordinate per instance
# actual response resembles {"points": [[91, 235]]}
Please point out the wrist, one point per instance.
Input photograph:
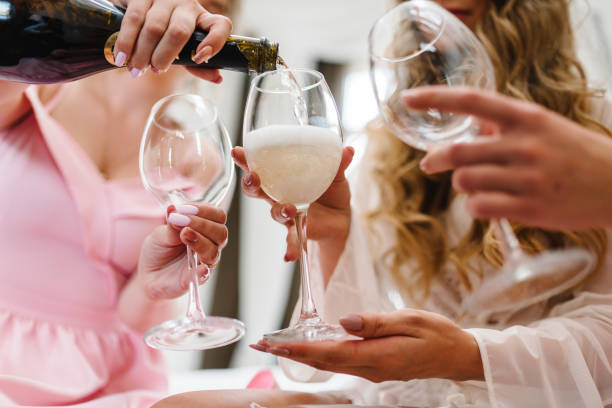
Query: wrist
{"points": [[468, 365]]}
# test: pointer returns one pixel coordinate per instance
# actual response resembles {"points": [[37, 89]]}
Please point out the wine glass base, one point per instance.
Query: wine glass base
{"points": [[530, 280], [306, 332], [195, 334]]}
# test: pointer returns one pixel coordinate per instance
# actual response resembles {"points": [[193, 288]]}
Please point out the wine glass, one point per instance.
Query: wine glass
{"points": [[185, 158], [420, 43], [293, 141]]}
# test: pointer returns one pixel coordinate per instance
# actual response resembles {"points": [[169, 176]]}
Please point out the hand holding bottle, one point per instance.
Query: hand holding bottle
{"points": [[153, 32]]}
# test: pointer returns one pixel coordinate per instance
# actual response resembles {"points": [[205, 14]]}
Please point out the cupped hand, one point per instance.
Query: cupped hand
{"points": [[539, 168], [153, 32], [397, 346], [329, 217], [162, 269]]}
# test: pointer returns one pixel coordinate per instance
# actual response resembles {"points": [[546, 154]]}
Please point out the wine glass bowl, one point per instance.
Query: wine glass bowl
{"points": [[517, 285], [185, 158], [293, 140], [295, 150], [420, 43]]}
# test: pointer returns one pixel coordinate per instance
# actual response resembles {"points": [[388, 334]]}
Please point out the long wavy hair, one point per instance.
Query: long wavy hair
{"points": [[531, 46]]}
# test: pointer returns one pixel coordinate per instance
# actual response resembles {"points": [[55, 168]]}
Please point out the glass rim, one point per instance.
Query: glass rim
{"points": [[312, 72], [374, 56], [204, 125]]}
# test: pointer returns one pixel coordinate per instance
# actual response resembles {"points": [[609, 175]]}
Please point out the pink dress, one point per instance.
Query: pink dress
{"points": [[69, 240]]}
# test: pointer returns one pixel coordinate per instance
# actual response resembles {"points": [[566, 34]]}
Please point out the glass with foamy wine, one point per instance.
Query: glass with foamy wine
{"points": [[293, 140]]}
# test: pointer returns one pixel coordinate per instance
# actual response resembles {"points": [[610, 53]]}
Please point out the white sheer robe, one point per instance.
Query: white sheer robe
{"points": [[533, 357]]}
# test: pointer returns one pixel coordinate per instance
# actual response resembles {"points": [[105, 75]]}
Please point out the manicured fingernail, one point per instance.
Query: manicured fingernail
{"points": [[135, 72], [155, 70], [218, 80], [352, 323], [120, 59], [204, 55], [408, 94], [279, 351], [284, 213], [205, 275], [248, 180], [258, 347], [179, 220], [286, 258], [187, 209], [424, 165]]}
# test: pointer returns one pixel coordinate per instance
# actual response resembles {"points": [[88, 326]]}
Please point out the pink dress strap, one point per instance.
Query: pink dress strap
{"points": [[82, 177]]}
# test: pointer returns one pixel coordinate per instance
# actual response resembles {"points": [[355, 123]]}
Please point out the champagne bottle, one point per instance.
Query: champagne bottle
{"points": [[47, 41]]}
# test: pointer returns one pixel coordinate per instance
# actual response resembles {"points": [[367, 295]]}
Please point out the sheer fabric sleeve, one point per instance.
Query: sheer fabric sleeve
{"points": [[562, 361]]}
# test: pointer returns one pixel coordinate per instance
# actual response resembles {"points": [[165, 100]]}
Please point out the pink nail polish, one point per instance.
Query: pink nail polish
{"points": [[353, 323], [258, 347], [120, 59], [179, 220], [423, 165], [205, 54], [135, 72], [279, 351], [187, 209]]}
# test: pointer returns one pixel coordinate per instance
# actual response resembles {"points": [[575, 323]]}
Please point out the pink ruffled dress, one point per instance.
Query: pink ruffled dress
{"points": [[69, 240]]}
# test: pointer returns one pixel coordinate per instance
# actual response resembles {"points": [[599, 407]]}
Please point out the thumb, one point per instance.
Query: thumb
{"points": [[398, 323], [347, 157]]}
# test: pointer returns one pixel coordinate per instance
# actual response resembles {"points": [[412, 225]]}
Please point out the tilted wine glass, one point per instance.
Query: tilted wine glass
{"points": [[419, 43], [185, 158], [293, 141]]}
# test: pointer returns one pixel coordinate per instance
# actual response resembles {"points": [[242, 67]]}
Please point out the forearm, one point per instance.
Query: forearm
{"points": [[139, 311], [13, 103], [242, 398], [329, 255], [468, 363]]}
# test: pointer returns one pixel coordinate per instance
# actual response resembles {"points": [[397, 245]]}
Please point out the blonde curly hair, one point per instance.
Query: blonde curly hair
{"points": [[531, 46]]}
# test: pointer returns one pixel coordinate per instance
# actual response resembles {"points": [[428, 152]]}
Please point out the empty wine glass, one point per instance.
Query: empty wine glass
{"points": [[293, 141], [420, 43], [185, 158]]}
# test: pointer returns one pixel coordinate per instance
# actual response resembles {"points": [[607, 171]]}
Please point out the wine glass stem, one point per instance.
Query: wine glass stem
{"points": [[309, 311], [510, 245], [194, 308]]}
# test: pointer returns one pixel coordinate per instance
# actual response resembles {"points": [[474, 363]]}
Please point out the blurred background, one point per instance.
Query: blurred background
{"points": [[253, 283]]}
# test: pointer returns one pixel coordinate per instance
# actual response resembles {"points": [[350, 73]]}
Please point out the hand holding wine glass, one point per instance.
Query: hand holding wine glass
{"points": [[419, 43], [539, 158], [185, 162], [328, 220], [293, 142]]}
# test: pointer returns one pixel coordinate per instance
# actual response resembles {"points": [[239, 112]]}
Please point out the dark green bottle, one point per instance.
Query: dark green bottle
{"points": [[47, 41]]}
